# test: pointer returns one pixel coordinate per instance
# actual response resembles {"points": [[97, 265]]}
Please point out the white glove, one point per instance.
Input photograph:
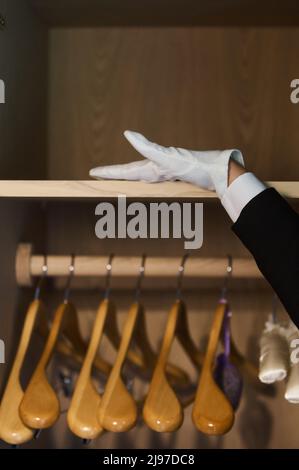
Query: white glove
{"points": [[209, 169], [274, 354]]}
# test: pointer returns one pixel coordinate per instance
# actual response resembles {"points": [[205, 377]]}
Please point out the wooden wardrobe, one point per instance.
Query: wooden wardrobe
{"points": [[201, 75]]}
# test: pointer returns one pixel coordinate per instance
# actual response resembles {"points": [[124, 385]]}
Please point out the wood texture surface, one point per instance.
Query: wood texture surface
{"points": [[162, 410], [212, 412], [12, 428], [40, 405], [200, 88], [94, 266], [117, 410], [35, 189], [82, 413]]}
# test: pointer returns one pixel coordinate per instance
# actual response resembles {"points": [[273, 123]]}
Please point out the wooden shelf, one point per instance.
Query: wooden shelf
{"points": [[35, 189]]}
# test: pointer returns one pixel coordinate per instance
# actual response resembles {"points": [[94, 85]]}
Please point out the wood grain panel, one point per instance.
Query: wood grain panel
{"points": [[201, 88], [23, 118]]}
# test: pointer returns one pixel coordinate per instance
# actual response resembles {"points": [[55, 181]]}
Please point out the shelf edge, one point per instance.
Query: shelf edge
{"points": [[90, 189]]}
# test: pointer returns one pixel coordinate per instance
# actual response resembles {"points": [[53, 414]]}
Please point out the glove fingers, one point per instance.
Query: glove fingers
{"points": [[143, 170], [168, 158], [174, 163]]}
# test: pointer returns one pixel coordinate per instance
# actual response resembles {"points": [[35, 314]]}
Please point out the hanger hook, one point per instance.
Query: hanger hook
{"points": [[69, 280], [181, 272], [108, 276], [41, 279], [229, 272], [140, 277]]}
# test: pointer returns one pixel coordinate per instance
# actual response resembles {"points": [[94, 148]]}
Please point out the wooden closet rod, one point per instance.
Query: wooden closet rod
{"points": [[29, 265]]}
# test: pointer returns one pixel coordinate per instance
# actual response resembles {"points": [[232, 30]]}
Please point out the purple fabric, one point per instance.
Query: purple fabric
{"points": [[226, 374]]}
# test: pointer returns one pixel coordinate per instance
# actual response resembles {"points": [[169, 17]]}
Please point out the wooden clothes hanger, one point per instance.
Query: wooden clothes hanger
{"points": [[212, 412], [40, 407], [118, 410], [82, 414], [12, 429], [162, 409]]}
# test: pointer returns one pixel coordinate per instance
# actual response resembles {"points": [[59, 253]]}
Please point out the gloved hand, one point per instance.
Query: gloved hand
{"points": [[209, 169]]}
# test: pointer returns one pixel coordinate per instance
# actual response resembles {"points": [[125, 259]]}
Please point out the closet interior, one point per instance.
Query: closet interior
{"points": [[77, 74]]}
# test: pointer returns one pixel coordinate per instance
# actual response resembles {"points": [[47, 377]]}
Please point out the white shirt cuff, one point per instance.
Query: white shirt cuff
{"points": [[240, 192]]}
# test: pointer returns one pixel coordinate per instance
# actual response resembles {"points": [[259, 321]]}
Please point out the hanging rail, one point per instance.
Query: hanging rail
{"points": [[29, 265]]}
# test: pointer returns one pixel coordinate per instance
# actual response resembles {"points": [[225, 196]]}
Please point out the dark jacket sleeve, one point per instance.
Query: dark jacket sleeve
{"points": [[269, 228]]}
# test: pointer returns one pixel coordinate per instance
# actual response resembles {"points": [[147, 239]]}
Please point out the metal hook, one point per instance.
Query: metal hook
{"points": [[229, 272], [140, 277], [108, 276], [41, 279], [66, 381], [180, 276], [70, 277], [37, 433], [86, 442]]}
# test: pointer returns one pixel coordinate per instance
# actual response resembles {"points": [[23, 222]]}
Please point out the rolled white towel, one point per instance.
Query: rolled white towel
{"points": [[274, 354], [292, 386]]}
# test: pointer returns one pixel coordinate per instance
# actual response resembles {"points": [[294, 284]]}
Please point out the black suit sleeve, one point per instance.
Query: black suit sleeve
{"points": [[269, 228]]}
